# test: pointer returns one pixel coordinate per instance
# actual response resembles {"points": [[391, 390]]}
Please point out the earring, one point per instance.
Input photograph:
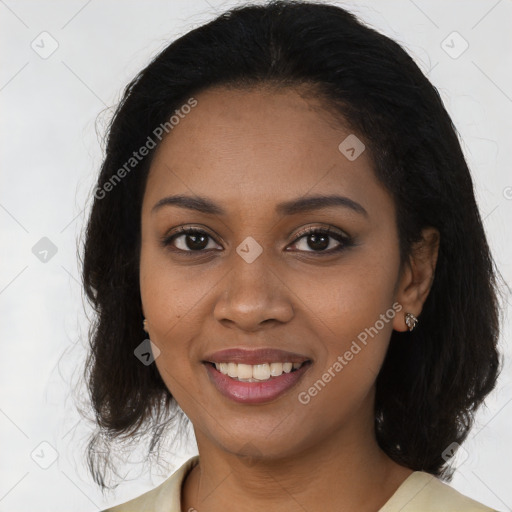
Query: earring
{"points": [[410, 321], [145, 325]]}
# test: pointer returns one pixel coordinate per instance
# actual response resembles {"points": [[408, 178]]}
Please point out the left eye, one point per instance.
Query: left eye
{"points": [[320, 239], [193, 240]]}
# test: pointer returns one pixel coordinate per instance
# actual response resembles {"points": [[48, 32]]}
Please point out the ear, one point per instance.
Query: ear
{"points": [[417, 277]]}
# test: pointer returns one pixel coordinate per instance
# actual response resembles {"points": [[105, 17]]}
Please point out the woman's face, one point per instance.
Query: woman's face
{"points": [[253, 280]]}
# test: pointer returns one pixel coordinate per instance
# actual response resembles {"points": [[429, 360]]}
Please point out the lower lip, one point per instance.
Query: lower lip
{"points": [[254, 392]]}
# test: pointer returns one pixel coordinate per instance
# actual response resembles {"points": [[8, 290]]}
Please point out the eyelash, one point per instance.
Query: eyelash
{"points": [[344, 240]]}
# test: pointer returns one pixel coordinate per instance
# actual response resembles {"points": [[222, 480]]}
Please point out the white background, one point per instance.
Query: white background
{"points": [[50, 156]]}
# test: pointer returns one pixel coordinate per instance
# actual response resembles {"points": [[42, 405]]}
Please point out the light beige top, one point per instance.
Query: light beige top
{"points": [[419, 492]]}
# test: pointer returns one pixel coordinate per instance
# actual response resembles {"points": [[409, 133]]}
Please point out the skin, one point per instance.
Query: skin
{"points": [[248, 150]]}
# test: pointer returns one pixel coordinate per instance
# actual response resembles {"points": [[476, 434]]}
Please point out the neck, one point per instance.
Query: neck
{"points": [[342, 473]]}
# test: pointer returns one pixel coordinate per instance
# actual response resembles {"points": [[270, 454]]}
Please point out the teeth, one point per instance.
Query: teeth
{"points": [[256, 372], [232, 370], [261, 371], [276, 369], [244, 371]]}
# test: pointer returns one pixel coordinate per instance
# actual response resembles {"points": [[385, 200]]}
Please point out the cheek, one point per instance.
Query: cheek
{"points": [[353, 309], [168, 300], [169, 294], [351, 297], [354, 348], [362, 298]]}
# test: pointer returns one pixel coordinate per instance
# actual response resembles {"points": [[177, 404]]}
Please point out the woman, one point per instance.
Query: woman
{"points": [[285, 211]]}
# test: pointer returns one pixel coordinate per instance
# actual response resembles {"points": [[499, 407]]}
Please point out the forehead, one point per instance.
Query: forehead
{"points": [[260, 145]]}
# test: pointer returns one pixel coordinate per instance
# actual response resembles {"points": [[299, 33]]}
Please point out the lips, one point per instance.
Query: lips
{"points": [[264, 388], [255, 356]]}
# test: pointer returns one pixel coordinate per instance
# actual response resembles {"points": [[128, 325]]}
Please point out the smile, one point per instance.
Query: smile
{"points": [[255, 384], [256, 372]]}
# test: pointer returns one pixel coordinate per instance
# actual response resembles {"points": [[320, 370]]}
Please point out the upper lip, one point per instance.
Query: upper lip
{"points": [[254, 356]]}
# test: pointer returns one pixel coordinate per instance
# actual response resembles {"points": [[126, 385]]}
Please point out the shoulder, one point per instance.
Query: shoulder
{"points": [[164, 498], [423, 492]]}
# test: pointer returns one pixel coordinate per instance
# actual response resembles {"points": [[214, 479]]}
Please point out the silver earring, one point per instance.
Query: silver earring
{"points": [[411, 321]]}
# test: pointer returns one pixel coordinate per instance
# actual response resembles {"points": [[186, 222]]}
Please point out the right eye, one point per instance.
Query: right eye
{"points": [[188, 240]]}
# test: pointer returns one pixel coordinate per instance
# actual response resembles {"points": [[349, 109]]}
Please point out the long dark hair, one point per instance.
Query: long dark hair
{"points": [[434, 378]]}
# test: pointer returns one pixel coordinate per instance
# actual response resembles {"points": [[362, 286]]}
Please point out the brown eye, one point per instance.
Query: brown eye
{"points": [[188, 240], [322, 241], [315, 240]]}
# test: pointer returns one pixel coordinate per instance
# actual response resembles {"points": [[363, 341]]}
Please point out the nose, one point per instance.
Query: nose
{"points": [[254, 296]]}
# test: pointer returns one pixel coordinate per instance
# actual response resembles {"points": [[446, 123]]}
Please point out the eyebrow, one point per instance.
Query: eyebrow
{"points": [[294, 206]]}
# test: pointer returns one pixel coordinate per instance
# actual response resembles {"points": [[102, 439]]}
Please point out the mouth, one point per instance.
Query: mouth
{"points": [[256, 372], [257, 383]]}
